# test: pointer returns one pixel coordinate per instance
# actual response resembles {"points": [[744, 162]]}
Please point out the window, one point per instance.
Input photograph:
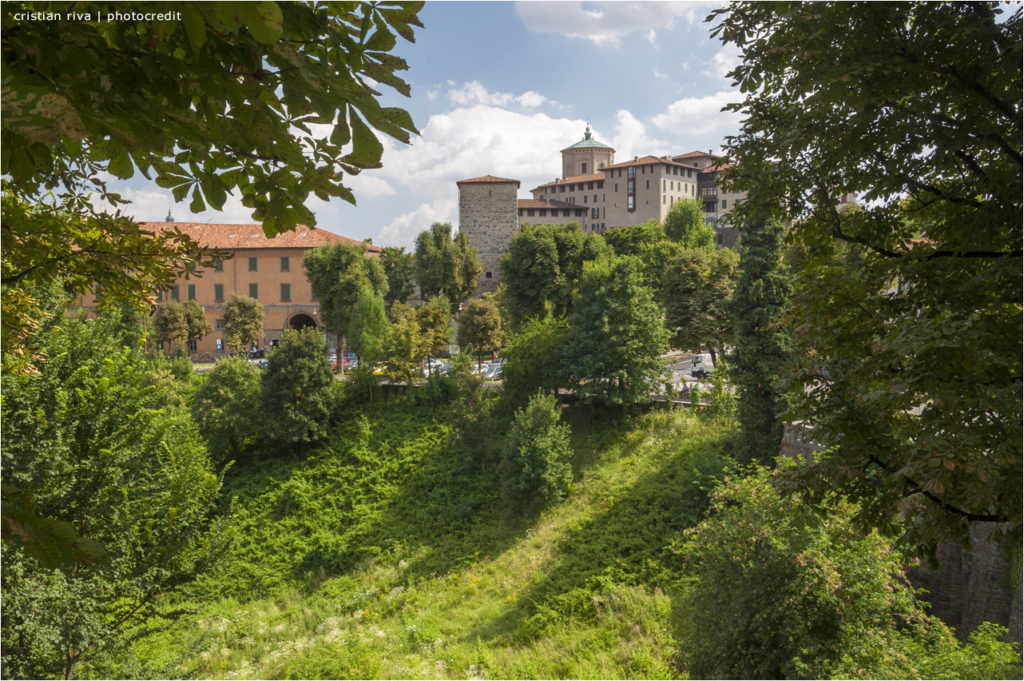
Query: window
{"points": [[218, 265], [254, 291], [631, 202], [584, 198], [616, 187], [725, 204], [218, 323], [663, 185], [595, 198], [192, 345], [583, 169], [595, 213], [590, 185], [647, 185], [252, 264], [218, 293], [286, 293], [192, 294], [487, 275], [285, 264], [631, 172], [175, 293]]}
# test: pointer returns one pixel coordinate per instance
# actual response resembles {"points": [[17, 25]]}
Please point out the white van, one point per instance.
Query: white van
{"points": [[703, 365]]}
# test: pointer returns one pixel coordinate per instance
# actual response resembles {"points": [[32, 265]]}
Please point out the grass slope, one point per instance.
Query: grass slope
{"points": [[388, 555]]}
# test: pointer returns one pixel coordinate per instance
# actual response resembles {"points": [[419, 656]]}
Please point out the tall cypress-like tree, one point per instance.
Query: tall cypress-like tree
{"points": [[763, 343]]}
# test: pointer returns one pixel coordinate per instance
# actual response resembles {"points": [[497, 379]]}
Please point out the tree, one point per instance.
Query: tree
{"points": [[535, 466], [685, 225], [404, 349], [534, 361], [223, 407], [616, 336], [367, 327], [917, 108], [446, 266], [103, 449], [434, 319], [196, 321], [698, 291], [293, 65], [400, 269], [650, 245], [763, 342], [243, 323], [480, 326], [337, 274], [170, 324], [296, 393], [542, 269]]}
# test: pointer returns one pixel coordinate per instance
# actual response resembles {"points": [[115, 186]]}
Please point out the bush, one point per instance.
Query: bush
{"points": [[223, 408], [535, 467], [296, 389], [780, 591]]}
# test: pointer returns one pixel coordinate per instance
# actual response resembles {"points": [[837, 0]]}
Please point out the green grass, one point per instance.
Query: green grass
{"points": [[388, 554]]}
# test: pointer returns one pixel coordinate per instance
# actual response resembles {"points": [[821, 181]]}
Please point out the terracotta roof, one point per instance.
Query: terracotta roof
{"points": [[537, 203], [694, 154], [648, 160], [486, 178], [252, 236], [593, 177]]}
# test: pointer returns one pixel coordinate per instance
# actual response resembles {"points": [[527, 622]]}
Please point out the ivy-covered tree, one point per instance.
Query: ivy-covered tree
{"points": [[534, 361], [243, 323], [170, 325], [697, 294], [764, 345], [400, 269], [916, 108], [337, 274], [434, 319], [367, 327], [195, 318], [685, 225], [404, 350], [480, 326], [445, 265], [535, 464], [105, 451], [616, 335], [296, 395], [649, 244], [222, 408], [542, 269]]}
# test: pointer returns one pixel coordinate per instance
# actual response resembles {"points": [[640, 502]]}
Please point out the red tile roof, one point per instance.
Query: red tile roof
{"points": [[648, 160], [226, 237], [486, 178], [593, 177], [537, 203]]}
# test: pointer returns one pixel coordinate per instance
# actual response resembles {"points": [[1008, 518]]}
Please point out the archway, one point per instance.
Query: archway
{"points": [[302, 321]]}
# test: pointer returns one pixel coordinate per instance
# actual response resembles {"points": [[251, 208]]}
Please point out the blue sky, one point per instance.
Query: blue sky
{"points": [[500, 88]]}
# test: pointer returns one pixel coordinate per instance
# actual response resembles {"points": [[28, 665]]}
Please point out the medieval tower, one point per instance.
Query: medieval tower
{"points": [[586, 157], [489, 217]]}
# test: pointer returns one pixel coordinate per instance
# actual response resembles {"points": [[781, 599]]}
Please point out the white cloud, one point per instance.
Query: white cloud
{"points": [[607, 23], [473, 93], [631, 139], [402, 230], [724, 61], [701, 115], [369, 183]]}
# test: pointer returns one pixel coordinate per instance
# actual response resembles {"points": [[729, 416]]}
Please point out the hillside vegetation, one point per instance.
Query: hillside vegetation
{"points": [[387, 554]]}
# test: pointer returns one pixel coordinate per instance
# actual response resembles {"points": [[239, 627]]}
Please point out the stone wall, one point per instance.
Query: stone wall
{"points": [[488, 214]]}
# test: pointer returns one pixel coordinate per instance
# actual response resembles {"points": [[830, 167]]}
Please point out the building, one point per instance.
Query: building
{"points": [[267, 269]]}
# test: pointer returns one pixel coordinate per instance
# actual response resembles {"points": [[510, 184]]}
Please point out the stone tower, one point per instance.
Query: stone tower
{"points": [[586, 157], [488, 214]]}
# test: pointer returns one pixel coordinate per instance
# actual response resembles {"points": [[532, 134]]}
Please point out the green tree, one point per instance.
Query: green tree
{"points": [[616, 336], [535, 468], [698, 291], [170, 325], [534, 360], [648, 243], [780, 591], [103, 450], [404, 350], [446, 266], [296, 391], [400, 269], [196, 321], [293, 65], [367, 328], [763, 342], [337, 275], [434, 319], [916, 108], [685, 225], [243, 323], [480, 326], [223, 405], [542, 269]]}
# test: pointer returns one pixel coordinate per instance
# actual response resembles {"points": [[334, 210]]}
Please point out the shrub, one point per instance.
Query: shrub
{"points": [[535, 467], [224, 405], [780, 591], [296, 390]]}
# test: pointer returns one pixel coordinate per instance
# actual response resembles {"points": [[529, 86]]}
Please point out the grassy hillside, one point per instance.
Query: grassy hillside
{"points": [[388, 554]]}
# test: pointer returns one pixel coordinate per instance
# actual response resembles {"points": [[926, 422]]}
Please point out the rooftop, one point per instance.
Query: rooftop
{"points": [[588, 142], [648, 160], [226, 237], [537, 203], [487, 178]]}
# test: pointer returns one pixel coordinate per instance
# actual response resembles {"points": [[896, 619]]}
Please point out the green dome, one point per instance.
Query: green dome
{"points": [[588, 142]]}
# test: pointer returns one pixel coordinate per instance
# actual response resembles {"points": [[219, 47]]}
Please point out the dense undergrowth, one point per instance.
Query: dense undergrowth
{"points": [[388, 553]]}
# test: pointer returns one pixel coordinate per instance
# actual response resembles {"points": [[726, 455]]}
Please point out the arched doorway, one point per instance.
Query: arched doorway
{"points": [[302, 321]]}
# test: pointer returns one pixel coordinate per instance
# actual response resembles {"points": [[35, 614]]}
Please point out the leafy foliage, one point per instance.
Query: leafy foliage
{"points": [[434, 319], [763, 342], [806, 596], [685, 225], [367, 327], [917, 108], [616, 336], [480, 326], [243, 323], [223, 408], [337, 275], [404, 349], [169, 323], [535, 466], [445, 265], [102, 449], [296, 390], [649, 244], [195, 318], [697, 294], [400, 269], [534, 360], [542, 268]]}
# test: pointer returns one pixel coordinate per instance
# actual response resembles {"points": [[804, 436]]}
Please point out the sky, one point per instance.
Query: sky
{"points": [[500, 88]]}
